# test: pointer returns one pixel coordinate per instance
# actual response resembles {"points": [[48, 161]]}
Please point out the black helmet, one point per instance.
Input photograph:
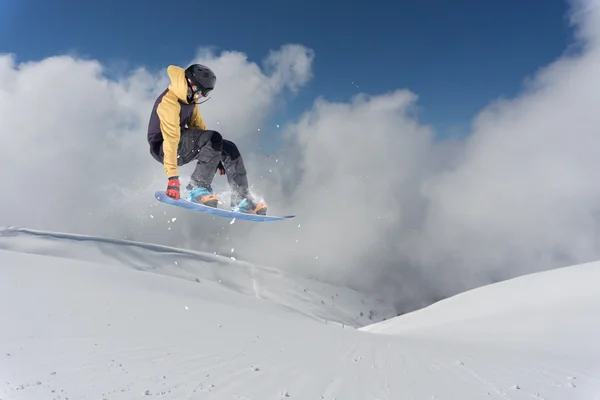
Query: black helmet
{"points": [[201, 80]]}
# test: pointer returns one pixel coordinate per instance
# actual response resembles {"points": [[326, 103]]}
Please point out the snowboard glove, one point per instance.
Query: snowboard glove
{"points": [[221, 168], [173, 187]]}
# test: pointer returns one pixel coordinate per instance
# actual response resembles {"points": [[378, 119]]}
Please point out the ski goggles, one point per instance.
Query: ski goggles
{"points": [[198, 91]]}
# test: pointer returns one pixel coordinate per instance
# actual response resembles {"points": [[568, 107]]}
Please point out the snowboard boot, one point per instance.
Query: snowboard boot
{"points": [[248, 206], [202, 195]]}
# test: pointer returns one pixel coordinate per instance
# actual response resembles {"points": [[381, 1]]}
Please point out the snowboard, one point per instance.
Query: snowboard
{"points": [[163, 198]]}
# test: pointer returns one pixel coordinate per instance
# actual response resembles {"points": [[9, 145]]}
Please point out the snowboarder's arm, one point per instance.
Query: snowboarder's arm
{"points": [[168, 112], [196, 121]]}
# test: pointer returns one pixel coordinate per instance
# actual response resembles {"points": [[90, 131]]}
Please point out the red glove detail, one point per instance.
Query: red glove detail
{"points": [[173, 187], [221, 168]]}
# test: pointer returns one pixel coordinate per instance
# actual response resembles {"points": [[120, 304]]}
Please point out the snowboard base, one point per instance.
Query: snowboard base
{"points": [[163, 198]]}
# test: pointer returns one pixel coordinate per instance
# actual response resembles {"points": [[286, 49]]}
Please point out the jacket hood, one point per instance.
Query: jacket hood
{"points": [[178, 84]]}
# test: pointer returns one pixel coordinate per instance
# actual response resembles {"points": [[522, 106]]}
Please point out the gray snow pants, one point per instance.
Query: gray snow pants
{"points": [[210, 149]]}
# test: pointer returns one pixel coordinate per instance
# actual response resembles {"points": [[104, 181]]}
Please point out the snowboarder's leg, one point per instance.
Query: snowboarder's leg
{"points": [[235, 170], [206, 147]]}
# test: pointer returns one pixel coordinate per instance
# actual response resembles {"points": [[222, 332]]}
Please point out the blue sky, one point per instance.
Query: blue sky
{"points": [[457, 56]]}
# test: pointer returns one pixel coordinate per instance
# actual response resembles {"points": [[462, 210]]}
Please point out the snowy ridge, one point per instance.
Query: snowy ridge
{"points": [[309, 297], [573, 288], [91, 318]]}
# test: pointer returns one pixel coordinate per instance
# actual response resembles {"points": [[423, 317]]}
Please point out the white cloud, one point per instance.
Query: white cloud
{"points": [[245, 93], [525, 192], [359, 161], [386, 208], [290, 66], [381, 204]]}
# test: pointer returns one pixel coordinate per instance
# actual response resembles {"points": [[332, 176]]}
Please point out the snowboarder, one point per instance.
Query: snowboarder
{"points": [[178, 135]]}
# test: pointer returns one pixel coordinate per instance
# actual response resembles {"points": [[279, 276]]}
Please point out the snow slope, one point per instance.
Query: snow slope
{"points": [[312, 298], [82, 318]]}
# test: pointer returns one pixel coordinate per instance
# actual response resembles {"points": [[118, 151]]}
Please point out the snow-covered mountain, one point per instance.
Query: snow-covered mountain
{"points": [[92, 318]]}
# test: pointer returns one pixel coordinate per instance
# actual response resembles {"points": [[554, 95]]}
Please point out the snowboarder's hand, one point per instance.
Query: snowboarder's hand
{"points": [[173, 187], [221, 168]]}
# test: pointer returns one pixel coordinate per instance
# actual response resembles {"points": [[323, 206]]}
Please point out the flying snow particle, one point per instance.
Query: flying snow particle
{"points": [[232, 221], [174, 219], [186, 307], [233, 258]]}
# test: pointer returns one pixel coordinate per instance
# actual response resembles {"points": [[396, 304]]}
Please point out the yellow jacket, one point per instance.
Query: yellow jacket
{"points": [[174, 113]]}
